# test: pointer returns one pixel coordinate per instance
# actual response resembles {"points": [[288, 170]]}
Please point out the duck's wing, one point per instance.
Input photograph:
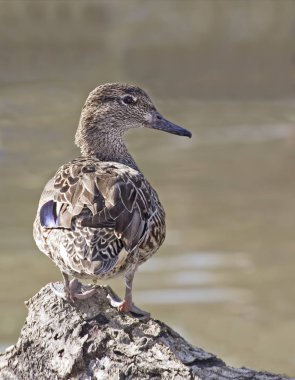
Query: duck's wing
{"points": [[127, 204], [116, 198], [71, 189]]}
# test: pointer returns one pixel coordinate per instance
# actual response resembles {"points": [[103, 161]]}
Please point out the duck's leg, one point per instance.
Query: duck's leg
{"points": [[62, 291], [127, 305], [73, 289]]}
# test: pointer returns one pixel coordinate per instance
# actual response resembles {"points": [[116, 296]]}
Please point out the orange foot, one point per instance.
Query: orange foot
{"points": [[127, 306]]}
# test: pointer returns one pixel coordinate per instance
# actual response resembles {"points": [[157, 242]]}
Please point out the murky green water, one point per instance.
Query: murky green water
{"points": [[224, 277]]}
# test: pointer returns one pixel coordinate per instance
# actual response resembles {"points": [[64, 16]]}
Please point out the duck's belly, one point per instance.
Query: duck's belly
{"points": [[77, 252]]}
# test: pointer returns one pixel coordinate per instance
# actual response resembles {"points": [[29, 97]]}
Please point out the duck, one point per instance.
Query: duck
{"points": [[98, 217]]}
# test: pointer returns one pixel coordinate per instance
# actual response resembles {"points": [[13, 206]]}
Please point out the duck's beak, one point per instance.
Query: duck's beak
{"points": [[158, 122]]}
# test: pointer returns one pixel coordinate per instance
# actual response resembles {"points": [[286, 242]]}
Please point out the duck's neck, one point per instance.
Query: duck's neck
{"points": [[110, 148]]}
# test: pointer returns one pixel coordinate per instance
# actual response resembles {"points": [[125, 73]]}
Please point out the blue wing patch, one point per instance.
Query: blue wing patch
{"points": [[48, 217]]}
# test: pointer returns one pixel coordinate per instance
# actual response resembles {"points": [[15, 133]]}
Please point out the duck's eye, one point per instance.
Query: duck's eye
{"points": [[129, 99]]}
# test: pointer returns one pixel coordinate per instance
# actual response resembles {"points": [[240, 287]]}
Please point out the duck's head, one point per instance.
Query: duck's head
{"points": [[113, 108]]}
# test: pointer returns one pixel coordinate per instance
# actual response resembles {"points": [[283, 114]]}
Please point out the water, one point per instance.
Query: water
{"points": [[224, 277]]}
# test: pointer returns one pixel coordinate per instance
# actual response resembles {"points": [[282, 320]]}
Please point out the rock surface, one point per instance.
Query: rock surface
{"points": [[92, 340]]}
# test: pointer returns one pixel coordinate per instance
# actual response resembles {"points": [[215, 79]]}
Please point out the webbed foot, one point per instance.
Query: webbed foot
{"points": [[74, 290], [126, 306]]}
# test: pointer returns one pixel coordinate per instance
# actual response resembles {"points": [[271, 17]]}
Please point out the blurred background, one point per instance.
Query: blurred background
{"points": [[223, 69]]}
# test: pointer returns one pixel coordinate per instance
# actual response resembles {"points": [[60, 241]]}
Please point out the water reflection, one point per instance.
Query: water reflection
{"points": [[196, 260], [178, 296], [197, 275]]}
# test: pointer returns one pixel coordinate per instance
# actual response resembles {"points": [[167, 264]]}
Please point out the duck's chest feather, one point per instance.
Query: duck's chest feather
{"points": [[91, 211]]}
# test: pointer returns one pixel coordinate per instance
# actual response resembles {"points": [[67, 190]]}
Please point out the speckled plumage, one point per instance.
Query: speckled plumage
{"points": [[86, 188], [98, 216]]}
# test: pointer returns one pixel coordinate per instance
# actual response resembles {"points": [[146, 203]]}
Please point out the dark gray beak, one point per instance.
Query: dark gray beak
{"points": [[158, 122]]}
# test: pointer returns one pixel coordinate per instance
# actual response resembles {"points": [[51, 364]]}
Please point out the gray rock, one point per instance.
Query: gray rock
{"points": [[91, 340]]}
